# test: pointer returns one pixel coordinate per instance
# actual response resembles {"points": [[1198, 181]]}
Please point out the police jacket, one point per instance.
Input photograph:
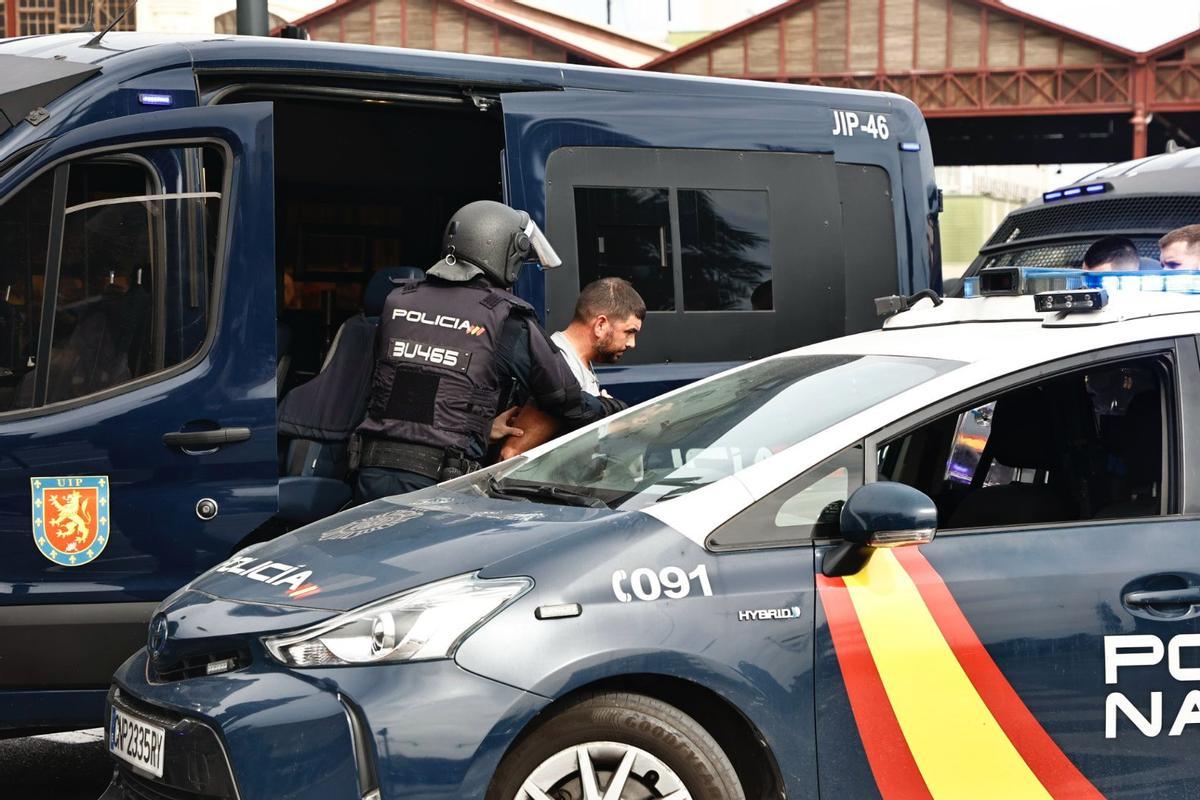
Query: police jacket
{"points": [[448, 355]]}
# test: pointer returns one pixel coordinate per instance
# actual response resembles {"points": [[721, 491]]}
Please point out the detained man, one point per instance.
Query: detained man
{"points": [[608, 318], [1112, 254]]}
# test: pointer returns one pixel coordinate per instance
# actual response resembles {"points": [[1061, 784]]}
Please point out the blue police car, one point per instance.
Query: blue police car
{"points": [[950, 558]]}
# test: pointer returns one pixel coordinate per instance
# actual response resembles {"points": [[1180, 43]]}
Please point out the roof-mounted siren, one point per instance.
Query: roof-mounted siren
{"points": [[1067, 302]]}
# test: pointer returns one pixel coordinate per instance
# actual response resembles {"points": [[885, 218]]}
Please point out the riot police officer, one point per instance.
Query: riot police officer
{"points": [[449, 350]]}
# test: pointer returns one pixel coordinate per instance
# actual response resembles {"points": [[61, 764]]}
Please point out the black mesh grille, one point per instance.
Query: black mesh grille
{"points": [[1068, 254], [1128, 213]]}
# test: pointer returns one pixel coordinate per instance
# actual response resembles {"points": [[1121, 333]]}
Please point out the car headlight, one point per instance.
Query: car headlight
{"points": [[420, 624]]}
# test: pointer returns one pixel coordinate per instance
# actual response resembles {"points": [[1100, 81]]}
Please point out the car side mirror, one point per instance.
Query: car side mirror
{"points": [[882, 514]]}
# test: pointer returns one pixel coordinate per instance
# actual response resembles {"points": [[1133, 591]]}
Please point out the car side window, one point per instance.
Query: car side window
{"points": [[1088, 444], [805, 508]]}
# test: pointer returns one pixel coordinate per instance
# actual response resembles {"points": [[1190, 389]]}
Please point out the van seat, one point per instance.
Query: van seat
{"points": [[381, 285], [318, 417]]}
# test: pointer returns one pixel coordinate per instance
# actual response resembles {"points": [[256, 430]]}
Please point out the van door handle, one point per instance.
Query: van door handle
{"points": [[195, 440], [1189, 595]]}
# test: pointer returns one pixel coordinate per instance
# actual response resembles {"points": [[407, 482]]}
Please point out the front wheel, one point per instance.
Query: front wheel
{"points": [[617, 746]]}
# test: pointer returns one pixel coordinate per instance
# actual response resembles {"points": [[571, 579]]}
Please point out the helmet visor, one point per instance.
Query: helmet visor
{"points": [[541, 246]]}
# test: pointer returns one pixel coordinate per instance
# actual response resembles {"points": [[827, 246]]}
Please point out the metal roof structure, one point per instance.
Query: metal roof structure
{"points": [[33, 17], [481, 27], [966, 61]]}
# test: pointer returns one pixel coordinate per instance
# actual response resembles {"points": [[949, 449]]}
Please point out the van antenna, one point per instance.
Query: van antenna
{"points": [[89, 24], [95, 40]]}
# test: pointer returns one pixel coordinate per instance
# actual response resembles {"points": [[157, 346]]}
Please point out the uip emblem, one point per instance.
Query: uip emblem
{"points": [[70, 518]]}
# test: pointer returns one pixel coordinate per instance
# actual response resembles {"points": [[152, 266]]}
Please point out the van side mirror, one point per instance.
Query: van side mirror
{"points": [[882, 514]]}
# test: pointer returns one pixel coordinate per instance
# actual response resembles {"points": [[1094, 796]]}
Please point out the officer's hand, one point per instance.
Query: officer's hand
{"points": [[612, 405], [502, 425]]}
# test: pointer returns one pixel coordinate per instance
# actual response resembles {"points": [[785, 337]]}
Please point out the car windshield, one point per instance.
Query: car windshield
{"points": [[676, 444]]}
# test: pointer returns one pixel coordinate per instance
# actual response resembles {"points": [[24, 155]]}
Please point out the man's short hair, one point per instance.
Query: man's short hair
{"points": [[1115, 250], [1188, 234], [615, 298]]}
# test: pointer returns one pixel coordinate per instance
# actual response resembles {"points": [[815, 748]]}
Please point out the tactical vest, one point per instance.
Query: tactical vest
{"points": [[435, 381]]}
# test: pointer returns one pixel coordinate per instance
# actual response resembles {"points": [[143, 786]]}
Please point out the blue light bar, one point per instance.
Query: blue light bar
{"points": [[1076, 191], [155, 99], [1167, 281], [910, 147], [1021, 280]]}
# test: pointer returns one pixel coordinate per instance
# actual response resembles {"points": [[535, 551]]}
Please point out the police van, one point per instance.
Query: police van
{"points": [[1140, 200], [190, 227], [967, 569]]}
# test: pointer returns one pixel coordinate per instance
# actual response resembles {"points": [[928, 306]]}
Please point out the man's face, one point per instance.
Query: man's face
{"points": [[614, 337], [1177, 255]]}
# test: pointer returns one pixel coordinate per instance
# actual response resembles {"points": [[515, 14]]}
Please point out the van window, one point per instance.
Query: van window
{"points": [[24, 230], [725, 242], [131, 288], [102, 331], [626, 233]]}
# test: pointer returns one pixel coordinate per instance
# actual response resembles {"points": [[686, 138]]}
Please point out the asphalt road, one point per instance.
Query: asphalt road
{"points": [[60, 766]]}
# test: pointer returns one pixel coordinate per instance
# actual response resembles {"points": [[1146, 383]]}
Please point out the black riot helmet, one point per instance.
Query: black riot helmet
{"points": [[489, 237]]}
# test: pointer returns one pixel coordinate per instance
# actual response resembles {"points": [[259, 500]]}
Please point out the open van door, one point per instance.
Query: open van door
{"points": [[137, 385], [714, 230]]}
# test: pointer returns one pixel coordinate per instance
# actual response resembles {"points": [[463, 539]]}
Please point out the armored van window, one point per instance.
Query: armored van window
{"points": [[702, 232], [24, 230], [725, 242], [626, 233]]}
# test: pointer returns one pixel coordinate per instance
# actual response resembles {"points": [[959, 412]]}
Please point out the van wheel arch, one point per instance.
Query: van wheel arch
{"points": [[746, 747]]}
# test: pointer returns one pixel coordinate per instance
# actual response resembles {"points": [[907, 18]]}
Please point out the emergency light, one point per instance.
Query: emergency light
{"points": [[155, 99], [1072, 290], [1076, 191]]}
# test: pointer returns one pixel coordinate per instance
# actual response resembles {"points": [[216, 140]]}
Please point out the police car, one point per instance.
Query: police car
{"points": [[951, 558]]}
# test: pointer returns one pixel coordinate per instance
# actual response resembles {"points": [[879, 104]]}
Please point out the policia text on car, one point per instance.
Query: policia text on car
{"points": [[449, 350]]}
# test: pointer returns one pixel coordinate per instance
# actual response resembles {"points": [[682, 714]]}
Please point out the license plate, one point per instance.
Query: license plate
{"points": [[136, 741]]}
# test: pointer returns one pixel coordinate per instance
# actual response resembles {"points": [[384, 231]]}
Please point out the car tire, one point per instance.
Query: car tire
{"points": [[666, 750]]}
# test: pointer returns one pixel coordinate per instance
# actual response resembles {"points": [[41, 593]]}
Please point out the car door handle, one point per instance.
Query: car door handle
{"points": [[1189, 595], [194, 440]]}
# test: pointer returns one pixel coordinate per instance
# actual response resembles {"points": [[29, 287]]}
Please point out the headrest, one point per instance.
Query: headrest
{"points": [[381, 285], [1022, 431], [1149, 263]]}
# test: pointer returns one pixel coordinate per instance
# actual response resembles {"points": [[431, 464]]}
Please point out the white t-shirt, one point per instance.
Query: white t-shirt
{"points": [[582, 372]]}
